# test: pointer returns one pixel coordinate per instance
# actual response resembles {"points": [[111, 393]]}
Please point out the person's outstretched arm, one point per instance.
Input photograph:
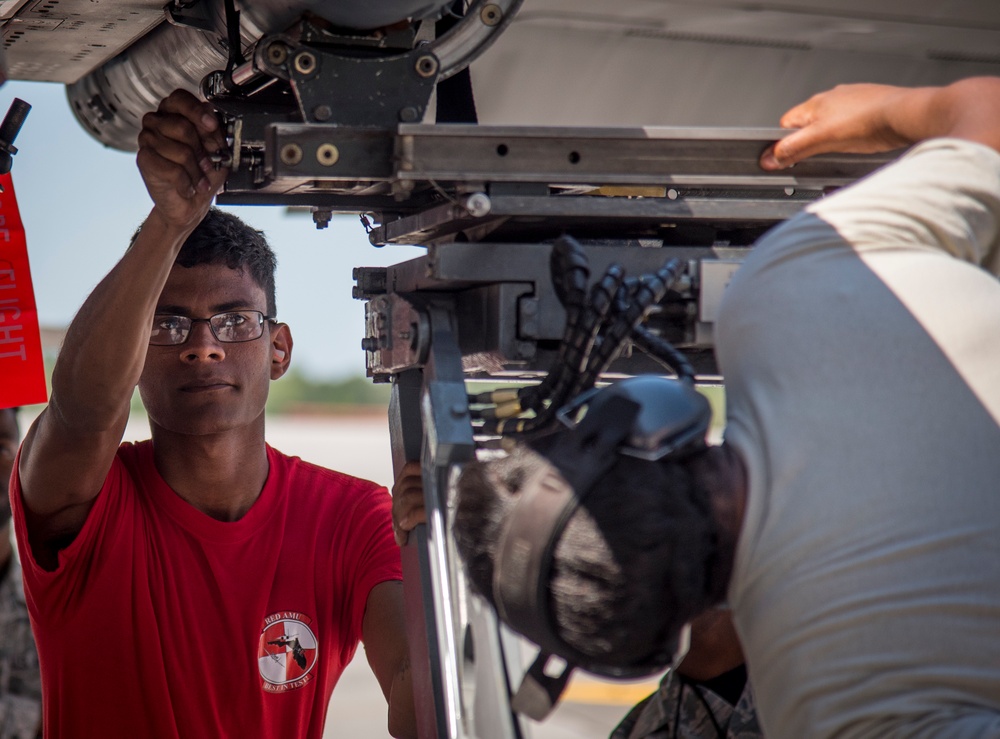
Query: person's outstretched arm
{"points": [[69, 449], [867, 118], [384, 636]]}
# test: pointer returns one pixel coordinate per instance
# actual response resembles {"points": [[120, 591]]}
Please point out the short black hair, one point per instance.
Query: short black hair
{"points": [[632, 565], [222, 238]]}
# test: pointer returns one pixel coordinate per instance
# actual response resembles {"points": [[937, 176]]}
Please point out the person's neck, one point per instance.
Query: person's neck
{"points": [[720, 471], [221, 475]]}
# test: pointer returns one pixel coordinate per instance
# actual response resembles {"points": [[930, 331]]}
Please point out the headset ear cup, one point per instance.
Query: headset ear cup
{"points": [[685, 426], [673, 420]]}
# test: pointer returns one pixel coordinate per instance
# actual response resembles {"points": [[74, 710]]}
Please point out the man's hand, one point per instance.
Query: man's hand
{"points": [[407, 502], [848, 118], [174, 148], [865, 119]]}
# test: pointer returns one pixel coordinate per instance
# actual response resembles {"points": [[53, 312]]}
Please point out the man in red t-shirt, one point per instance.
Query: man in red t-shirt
{"points": [[200, 584]]}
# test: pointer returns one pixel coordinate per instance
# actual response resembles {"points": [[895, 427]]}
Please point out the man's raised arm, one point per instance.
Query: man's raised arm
{"points": [[867, 118], [68, 451]]}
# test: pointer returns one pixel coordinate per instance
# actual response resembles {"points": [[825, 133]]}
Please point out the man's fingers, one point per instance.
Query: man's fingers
{"points": [[179, 128], [795, 147], [170, 159], [184, 117], [162, 174], [800, 116], [411, 468], [183, 103], [408, 510], [407, 501]]}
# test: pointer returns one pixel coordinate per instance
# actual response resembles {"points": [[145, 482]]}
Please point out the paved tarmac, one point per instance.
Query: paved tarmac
{"points": [[357, 710]]}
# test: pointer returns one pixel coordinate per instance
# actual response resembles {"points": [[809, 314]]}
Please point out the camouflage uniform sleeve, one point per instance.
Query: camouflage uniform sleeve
{"points": [[20, 681], [681, 709]]}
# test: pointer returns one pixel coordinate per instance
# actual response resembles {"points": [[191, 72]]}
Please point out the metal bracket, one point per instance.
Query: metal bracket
{"points": [[351, 90], [190, 15], [456, 697]]}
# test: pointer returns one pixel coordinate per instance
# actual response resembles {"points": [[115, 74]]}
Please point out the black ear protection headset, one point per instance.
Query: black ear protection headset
{"points": [[652, 418]]}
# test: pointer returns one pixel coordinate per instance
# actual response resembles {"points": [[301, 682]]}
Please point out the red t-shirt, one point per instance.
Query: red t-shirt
{"points": [[163, 622]]}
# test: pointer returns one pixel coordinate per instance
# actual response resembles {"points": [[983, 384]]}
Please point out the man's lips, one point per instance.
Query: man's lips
{"points": [[205, 386]]}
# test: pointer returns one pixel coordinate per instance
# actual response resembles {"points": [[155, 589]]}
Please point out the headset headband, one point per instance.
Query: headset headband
{"points": [[646, 417], [522, 568]]}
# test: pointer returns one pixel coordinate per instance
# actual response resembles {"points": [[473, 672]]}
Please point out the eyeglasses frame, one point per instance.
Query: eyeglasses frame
{"points": [[263, 319]]}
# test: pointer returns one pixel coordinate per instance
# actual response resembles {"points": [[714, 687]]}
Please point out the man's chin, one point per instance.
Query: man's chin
{"points": [[199, 423]]}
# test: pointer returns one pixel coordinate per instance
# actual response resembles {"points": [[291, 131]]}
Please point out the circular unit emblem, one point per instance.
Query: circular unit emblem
{"points": [[286, 654]]}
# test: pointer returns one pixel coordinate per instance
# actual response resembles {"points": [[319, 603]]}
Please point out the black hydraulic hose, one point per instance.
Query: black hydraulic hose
{"points": [[568, 373], [596, 329], [662, 350], [631, 309], [570, 273]]}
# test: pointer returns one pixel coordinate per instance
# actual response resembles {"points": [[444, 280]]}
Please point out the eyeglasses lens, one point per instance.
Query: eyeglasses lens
{"points": [[230, 327]]}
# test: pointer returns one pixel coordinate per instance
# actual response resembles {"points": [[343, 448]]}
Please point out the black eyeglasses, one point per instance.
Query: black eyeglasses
{"points": [[229, 328]]}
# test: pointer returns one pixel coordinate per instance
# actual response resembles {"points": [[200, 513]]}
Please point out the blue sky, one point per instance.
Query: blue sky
{"points": [[80, 203]]}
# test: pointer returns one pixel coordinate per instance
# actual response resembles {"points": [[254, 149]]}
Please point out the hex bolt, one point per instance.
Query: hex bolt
{"points": [[327, 154], [427, 65], [290, 154], [321, 217], [478, 204], [491, 14], [305, 62], [370, 344], [277, 53], [322, 112], [221, 160]]}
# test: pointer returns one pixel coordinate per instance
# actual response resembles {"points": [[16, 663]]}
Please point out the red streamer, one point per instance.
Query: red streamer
{"points": [[22, 370]]}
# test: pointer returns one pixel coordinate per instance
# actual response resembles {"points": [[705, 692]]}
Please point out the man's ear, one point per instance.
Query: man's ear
{"points": [[281, 349]]}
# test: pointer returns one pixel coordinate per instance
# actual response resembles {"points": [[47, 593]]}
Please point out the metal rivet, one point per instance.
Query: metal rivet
{"points": [[290, 154], [409, 114], [305, 62], [427, 65], [327, 155], [322, 113], [491, 14], [277, 53], [478, 204]]}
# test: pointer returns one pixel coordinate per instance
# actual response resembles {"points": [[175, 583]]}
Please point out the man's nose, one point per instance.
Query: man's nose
{"points": [[202, 345]]}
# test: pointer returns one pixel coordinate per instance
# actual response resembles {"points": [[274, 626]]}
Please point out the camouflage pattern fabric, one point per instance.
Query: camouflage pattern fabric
{"points": [[20, 682], [681, 709]]}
